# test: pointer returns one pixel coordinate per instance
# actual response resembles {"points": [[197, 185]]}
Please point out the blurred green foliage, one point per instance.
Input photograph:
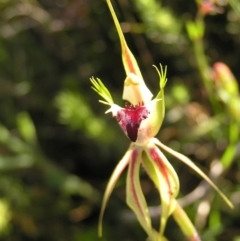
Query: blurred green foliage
{"points": [[58, 148]]}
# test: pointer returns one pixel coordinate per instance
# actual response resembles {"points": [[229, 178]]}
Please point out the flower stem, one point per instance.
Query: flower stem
{"points": [[185, 224], [196, 33]]}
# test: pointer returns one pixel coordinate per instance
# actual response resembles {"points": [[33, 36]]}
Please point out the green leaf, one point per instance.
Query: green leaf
{"points": [[195, 30], [26, 127]]}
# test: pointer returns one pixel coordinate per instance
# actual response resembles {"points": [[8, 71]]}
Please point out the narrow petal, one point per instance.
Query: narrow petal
{"points": [[188, 162], [135, 91], [156, 107], [185, 224], [159, 114], [113, 179], [165, 179], [135, 197], [129, 61]]}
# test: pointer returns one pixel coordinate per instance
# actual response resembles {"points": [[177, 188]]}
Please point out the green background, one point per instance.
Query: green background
{"points": [[58, 148]]}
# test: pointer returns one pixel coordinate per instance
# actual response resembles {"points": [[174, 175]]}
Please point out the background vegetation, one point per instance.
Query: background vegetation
{"points": [[58, 148]]}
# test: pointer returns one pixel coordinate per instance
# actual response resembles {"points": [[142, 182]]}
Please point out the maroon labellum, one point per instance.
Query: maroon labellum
{"points": [[130, 119]]}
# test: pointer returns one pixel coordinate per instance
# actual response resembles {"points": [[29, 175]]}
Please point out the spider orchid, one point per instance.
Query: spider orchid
{"points": [[141, 120]]}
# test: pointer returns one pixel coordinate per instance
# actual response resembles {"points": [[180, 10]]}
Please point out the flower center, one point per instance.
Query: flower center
{"points": [[130, 119]]}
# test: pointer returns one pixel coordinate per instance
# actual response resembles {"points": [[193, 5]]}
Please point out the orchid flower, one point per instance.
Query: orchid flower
{"points": [[141, 120]]}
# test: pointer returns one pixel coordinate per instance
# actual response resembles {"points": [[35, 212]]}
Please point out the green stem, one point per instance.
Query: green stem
{"points": [[230, 152], [196, 33], [235, 6], [204, 70], [185, 224]]}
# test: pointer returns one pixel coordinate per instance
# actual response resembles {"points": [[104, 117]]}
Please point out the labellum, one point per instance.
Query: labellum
{"points": [[130, 119]]}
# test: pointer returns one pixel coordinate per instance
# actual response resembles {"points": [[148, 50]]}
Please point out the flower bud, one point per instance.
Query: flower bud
{"points": [[225, 81], [209, 7]]}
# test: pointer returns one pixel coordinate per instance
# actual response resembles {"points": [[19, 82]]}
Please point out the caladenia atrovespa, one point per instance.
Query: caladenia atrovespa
{"points": [[141, 119]]}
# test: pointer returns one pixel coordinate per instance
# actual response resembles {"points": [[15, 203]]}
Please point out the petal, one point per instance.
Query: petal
{"points": [[156, 108], [188, 162], [135, 197], [113, 179], [135, 91], [129, 61], [158, 115], [165, 179]]}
